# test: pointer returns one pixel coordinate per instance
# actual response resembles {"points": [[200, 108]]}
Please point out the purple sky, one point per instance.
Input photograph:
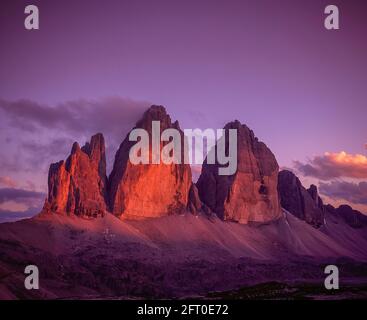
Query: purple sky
{"points": [[270, 64]]}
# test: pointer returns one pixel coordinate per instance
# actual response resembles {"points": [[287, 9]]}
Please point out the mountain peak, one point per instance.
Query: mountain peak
{"points": [[75, 148], [78, 185], [156, 113], [148, 190], [249, 195]]}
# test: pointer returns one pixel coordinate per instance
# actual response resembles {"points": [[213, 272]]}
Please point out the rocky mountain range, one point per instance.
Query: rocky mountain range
{"points": [[254, 194], [149, 231]]}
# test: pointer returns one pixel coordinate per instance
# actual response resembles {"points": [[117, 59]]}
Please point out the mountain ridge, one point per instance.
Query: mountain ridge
{"points": [[87, 244]]}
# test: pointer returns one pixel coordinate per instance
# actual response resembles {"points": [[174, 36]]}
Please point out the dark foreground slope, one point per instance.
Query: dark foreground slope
{"points": [[173, 256]]}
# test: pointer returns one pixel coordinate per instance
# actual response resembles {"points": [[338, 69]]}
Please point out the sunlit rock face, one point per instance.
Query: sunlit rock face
{"points": [[78, 185], [149, 190], [250, 194], [304, 203]]}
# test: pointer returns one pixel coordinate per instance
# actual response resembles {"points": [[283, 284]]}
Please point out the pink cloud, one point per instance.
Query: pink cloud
{"points": [[8, 182], [355, 193], [334, 165]]}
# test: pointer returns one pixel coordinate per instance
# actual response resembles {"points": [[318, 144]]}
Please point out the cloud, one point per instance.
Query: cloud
{"points": [[349, 191], [8, 182], [334, 165], [112, 116], [10, 216], [37, 154], [28, 115], [21, 196]]}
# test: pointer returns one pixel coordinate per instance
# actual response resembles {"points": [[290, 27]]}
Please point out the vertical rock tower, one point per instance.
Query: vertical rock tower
{"points": [[303, 203], [78, 185], [149, 190], [249, 195]]}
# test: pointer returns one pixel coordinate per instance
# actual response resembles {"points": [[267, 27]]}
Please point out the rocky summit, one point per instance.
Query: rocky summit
{"points": [[249, 195], [149, 190], [78, 185]]}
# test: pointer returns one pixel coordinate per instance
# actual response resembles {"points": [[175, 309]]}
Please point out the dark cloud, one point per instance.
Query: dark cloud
{"points": [[10, 216], [349, 191], [20, 196], [334, 165], [38, 154], [112, 116], [28, 115]]}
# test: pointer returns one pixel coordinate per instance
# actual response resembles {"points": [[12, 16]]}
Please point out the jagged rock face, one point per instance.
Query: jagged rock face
{"points": [[304, 204], [352, 217], [149, 190], [78, 185], [249, 195]]}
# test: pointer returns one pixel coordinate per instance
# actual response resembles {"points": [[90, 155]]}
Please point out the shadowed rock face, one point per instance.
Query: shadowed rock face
{"points": [[149, 190], [352, 217], [304, 204], [249, 195], [78, 185]]}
